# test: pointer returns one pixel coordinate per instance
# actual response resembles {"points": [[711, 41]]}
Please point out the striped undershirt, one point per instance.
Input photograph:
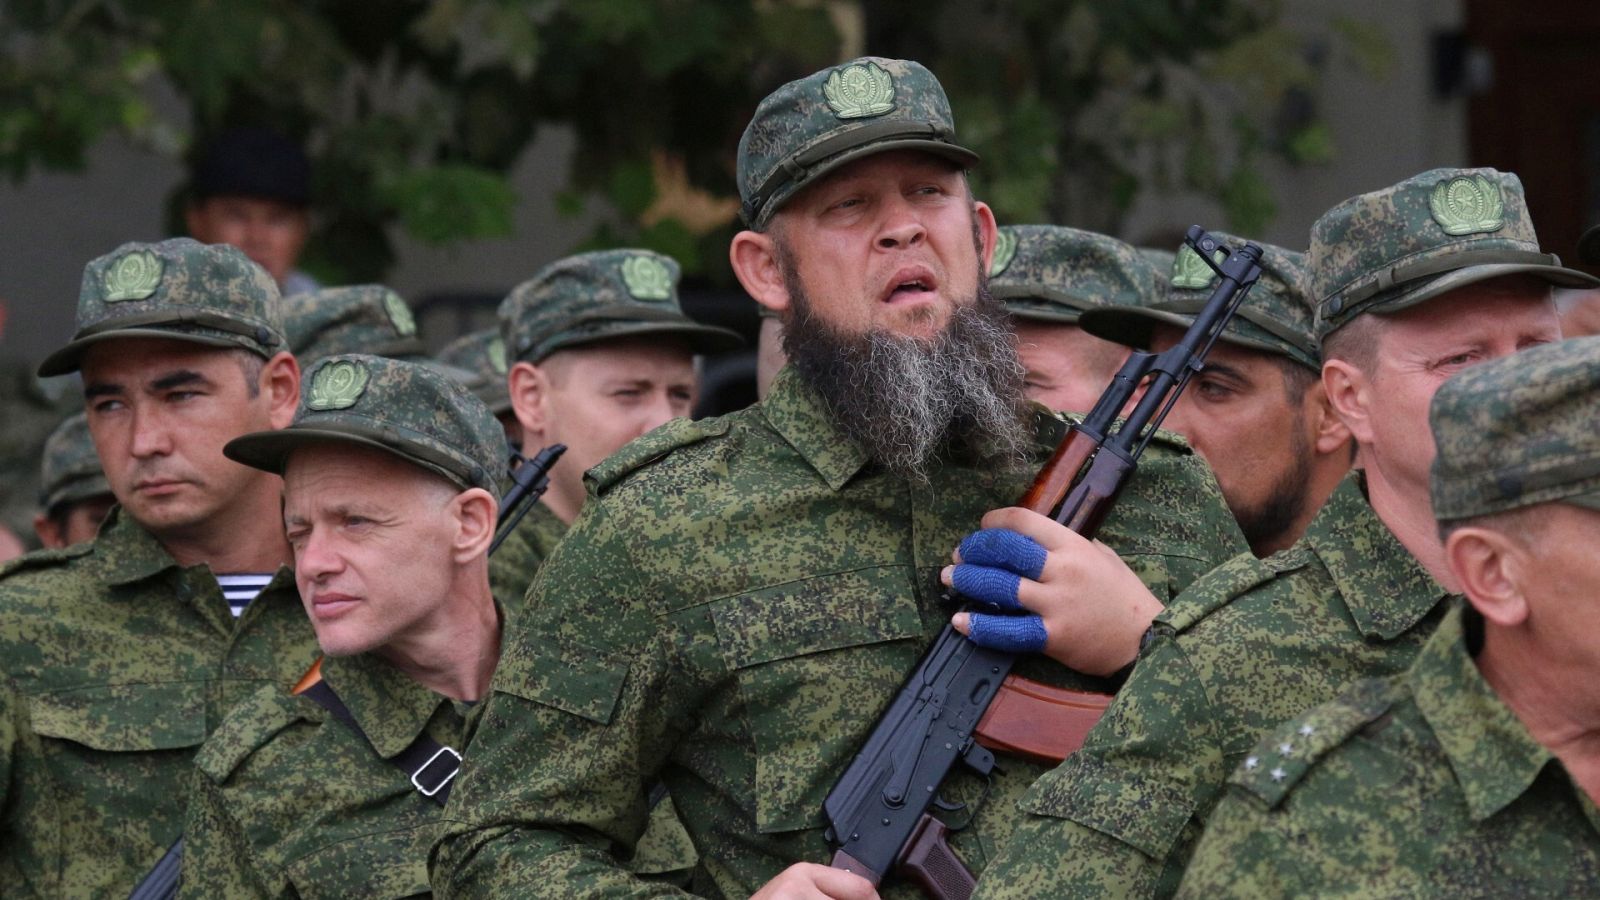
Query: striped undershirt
{"points": [[239, 590]]}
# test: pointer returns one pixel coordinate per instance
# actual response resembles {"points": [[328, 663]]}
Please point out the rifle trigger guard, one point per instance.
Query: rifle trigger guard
{"points": [[947, 805], [978, 758]]}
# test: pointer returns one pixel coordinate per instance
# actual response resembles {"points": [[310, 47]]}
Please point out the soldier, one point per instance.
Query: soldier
{"points": [[1048, 276], [76, 496], [1257, 413], [1413, 283], [1475, 773], [483, 353], [251, 187], [362, 318], [126, 649], [743, 595], [601, 353], [391, 484]]}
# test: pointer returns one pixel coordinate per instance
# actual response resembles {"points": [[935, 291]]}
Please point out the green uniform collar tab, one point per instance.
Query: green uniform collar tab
{"points": [[390, 705], [797, 413]]}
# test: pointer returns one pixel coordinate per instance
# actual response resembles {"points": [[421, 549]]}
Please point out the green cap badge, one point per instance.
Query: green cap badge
{"points": [[646, 278], [1467, 205], [497, 354], [132, 277], [337, 385], [1005, 247], [1190, 272], [859, 91], [399, 314]]}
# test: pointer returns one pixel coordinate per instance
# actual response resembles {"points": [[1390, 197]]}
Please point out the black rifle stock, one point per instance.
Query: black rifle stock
{"points": [[879, 819]]}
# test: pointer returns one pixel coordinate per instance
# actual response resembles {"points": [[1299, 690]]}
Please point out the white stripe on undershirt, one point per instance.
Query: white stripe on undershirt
{"points": [[239, 590]]}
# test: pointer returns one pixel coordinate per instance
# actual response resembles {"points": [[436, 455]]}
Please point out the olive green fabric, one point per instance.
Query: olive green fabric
{"points": [[1423, 785], [29, 839], [70, 470], [362, 318], [178, 289], [734, 606], [408, 409], [1249, 645], [1276, 316], [127, 662], [815, 124], [518, 558], [1518, 431], [604, 295], [483, 353], [1049, 273], [1391, 249]]}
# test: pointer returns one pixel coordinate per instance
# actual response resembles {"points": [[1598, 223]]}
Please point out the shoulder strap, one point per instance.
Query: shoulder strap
{"points": [[431, 765]]}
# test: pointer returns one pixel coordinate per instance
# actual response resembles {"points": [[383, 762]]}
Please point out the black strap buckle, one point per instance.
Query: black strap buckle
{"points": [[431, 777]]}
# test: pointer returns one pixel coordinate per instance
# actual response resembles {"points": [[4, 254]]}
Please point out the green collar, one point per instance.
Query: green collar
{"points": [[1386, 590], [125, 553], [391, 706], [1494, 758], [802, 418]]}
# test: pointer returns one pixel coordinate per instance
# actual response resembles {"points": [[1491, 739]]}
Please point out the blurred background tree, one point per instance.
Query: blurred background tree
{"points": [[413, 112]]}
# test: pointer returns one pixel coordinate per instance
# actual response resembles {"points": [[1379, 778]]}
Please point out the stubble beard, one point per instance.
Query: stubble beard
{"points": [[1285, 500], [909, 402]]}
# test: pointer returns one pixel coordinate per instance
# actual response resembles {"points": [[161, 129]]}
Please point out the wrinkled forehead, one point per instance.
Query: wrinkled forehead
{"points": [[330, 474]]}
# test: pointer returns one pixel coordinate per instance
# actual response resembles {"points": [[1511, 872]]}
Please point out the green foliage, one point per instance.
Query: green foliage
{"points": [[415, 110]]}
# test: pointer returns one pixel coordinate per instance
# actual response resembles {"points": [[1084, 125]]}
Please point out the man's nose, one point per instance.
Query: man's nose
{"points": [[151, 435], [902, 227]]}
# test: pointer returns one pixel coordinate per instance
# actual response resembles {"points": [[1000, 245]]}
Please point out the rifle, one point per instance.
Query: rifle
{"points": [[529, 480], [878, 811]]}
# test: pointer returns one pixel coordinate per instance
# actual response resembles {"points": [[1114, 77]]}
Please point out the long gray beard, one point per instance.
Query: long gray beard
{"points": [[911, 402]]}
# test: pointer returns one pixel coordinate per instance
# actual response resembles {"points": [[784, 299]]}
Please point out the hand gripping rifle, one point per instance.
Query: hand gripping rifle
{"points": [[878, 812], [528, 482]]}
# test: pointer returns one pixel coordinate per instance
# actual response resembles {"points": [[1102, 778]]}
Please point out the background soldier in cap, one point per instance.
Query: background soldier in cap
{"points": [[251, 188], [76, 496], [1047, 276], [391, 484], [1477, 772], [127, 650], [1413, 283], [742, 595], [483, 353], [601, 353], [1257, 413]]}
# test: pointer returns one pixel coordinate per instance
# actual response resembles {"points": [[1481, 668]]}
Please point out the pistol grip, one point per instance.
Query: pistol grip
{"points": [[933, 866]]}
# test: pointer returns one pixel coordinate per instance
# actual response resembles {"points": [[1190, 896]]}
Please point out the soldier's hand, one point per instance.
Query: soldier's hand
{"points": [[1058, 594], [810, 881]]}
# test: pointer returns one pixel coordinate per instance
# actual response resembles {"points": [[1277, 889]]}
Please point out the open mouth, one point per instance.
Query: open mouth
{"points": [[910, 285]]}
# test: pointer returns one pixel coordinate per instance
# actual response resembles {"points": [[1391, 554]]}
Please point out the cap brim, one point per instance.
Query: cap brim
{"points": [[701, 339], [1133, 327], [1587, 501], [957, 154], [68, 358], [1557, 276], [269, 450]]}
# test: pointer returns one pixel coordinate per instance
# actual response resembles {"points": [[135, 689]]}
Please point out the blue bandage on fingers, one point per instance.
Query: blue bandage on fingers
{"points": [[996, 587], [1006, 549], [1012, 634]]}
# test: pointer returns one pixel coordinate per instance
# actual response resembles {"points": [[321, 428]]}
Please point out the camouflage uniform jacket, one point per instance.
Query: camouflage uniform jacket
{"points": [[127, 662], [290, 802], [28, 854], [737, 602], [1424, 785], [515, 562], [1249, 646]]}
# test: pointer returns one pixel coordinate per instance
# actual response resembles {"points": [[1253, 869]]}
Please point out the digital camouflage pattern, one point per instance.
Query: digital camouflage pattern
{"points": [[1275, 318], [734, 606], [70, 470], [1248, 646], [813, 125], [598, 296], [1050, 273], [514, 563], [127, 661], [1424, 785], [362, 318], [29, 855], [483, 353], [181, 289], [1517, 431], [408, 409], [30, 409], [1446, 228], [1159, 258]]}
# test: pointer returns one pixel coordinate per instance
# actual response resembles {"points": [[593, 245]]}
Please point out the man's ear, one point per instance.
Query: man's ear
{"points": [[1490, 567], [280, 383], [49, 534], [476, 514], [988, 233], [1329, 434], [529, 387], [754, 257], [1349, 393]]}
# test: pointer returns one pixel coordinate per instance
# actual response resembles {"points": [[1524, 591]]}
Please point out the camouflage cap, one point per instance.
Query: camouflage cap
{"points": [[483, 353], [812, 126], [1275, 318], [363, 318], [1158, 258], [602, 296], [405, 408], [70, 470], [1444, 229], [1050, 273], [1519, 431], [181, 289]]}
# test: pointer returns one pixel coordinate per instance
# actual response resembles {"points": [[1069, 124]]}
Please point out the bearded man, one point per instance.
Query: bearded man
{"points": [[741, 596]]}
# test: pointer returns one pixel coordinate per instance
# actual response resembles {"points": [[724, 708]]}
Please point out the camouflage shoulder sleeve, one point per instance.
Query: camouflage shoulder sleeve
{"points": [[44, 559], [250, 726], [1217, 588], [1286, 754], [650, 447]]}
